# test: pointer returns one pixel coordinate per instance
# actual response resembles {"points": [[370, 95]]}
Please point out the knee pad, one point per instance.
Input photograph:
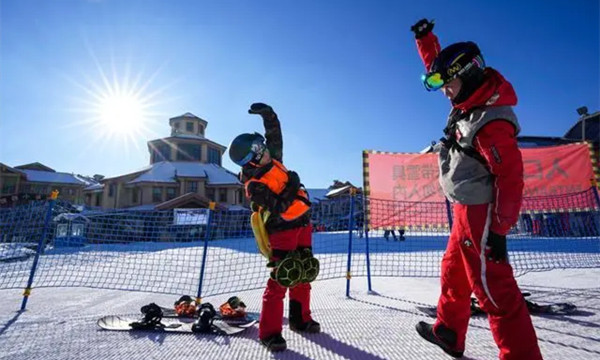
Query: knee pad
{"points": [[310, 265], [289, 271]]}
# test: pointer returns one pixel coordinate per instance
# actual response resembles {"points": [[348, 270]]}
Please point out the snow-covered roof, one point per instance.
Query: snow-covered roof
{"points": [[338, 190], [51, 177], [167, 172], [141, 170], [87, 180], [189, 136], [317, 194], [145, 207], [187, 115], [71, 217], [11, 169], [94, 187], [218, 175]]}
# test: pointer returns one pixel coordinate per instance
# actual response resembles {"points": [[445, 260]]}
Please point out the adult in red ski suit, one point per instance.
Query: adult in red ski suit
{"points": [[481, 172]]}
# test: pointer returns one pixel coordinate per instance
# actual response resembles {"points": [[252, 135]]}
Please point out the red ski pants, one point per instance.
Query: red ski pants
{"points": [[271, 316], [466, 270]]}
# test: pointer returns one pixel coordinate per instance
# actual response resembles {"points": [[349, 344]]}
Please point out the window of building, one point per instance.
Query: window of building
{"points": [[156, 194], [240, 196], [171, 193], [161, 152], [61, 230], [76, 229], [192, 187], [176, 125], [111, 190], [189, 126], [214, 156], [134, 196], [222, 195], [97, 200], [190, 152], [71, 192], [210, 193]]}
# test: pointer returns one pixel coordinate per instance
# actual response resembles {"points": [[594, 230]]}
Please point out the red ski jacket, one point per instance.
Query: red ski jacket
{"points": [[496, 141]]}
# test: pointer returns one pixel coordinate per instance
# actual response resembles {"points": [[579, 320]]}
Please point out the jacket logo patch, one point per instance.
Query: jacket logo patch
{"points": [[492, 100], [468, 243], [496, 155]]}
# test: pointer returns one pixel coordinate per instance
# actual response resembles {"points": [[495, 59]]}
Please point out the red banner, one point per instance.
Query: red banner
{"points": [[549, 172]]}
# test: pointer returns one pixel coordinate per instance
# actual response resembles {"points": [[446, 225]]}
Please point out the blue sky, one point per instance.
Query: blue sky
{"points": [[342, 75]]}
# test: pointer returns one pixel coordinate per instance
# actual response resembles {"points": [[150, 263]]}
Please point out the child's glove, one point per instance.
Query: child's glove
{"points": [[261, 109]]}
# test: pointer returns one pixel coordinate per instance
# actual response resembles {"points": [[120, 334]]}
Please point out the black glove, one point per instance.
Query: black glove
{"points": [[422, 28], [261, 109], [496, 246]]}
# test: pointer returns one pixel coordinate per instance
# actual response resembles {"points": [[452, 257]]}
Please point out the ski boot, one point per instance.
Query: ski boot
{"points": [[296, 323], [311, 327], [274, 343], [443, 337]]}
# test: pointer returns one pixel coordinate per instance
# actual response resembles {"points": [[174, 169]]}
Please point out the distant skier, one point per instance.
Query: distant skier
{"points": [[277, 193], [386, 235], [481, 172]]}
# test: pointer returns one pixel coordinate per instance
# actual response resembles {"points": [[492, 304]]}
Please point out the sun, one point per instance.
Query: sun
{"points": [[121, 113], [117, 109]]}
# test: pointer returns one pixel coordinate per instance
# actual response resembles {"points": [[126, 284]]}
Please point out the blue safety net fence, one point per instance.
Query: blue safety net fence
{"points": [[208, 252]]}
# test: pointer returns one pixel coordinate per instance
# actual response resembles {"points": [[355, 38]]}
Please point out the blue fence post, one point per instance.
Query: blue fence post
{"points": [[39, 250], [595, 190], [449, 213], [211, 208], [595, 219], [351, 230], [366, 229]]}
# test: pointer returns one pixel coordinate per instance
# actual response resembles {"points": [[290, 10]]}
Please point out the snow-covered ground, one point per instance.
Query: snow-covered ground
{"points": [[60, 323]]}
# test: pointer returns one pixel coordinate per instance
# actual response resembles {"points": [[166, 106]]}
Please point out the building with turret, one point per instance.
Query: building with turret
{"points": [[184, 171]]}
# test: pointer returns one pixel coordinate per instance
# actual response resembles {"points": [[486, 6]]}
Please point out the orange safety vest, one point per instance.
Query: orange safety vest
{"points": [[276, 179]]}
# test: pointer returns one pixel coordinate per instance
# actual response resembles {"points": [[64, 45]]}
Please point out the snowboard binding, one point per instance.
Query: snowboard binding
{"points": [[153, 314], [206, 316]]}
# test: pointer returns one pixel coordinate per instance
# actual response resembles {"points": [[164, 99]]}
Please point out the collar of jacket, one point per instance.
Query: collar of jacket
{"points": [[495, 91]]}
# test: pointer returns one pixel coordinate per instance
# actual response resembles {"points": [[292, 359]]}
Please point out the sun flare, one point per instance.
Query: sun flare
{"points": [[117, 109], [121, 113]]}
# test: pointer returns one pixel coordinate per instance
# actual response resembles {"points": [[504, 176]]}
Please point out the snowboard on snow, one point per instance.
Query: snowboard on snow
{"points": [[534, 308], [220, 326], [170, 312]]}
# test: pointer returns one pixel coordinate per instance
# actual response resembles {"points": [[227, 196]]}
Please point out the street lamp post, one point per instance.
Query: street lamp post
{"points": [[583, 112]]}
